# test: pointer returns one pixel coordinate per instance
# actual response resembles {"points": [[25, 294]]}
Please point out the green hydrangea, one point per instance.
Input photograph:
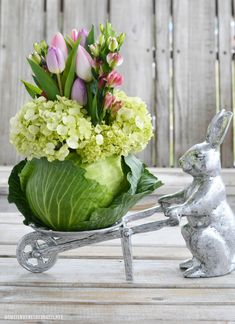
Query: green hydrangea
{"points": [[52, 129]]}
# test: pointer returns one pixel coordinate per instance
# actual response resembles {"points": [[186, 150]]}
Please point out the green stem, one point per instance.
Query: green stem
{"points": [[59, 83]]}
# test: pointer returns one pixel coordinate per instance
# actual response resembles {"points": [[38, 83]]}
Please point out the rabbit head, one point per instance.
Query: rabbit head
{"points": [[204, 159]]}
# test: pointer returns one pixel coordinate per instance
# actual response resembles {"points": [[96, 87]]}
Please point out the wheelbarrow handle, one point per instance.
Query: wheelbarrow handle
{"points": [[142, 214]]}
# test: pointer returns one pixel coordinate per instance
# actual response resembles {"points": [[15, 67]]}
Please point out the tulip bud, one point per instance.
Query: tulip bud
{"points": [[83, 33], [78, 92], [114, 59], [94, 48], [114, 79], [35, 57], [101, 40], [41, 48], [43, 45], [121, 38], [74, 35], [37, 48], [55, 60], [59, 42], [84, 64], [112, 44], [101, 28]]}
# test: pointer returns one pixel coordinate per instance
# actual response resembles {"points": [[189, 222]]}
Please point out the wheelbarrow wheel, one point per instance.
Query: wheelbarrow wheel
{"points": [[30, 255]]}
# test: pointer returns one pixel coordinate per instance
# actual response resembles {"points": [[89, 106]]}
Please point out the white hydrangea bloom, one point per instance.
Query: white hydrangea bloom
{"points": [[52, 128]]}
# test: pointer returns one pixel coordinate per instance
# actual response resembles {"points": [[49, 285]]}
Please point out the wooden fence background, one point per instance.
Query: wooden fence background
{"points": [[178, 58]]}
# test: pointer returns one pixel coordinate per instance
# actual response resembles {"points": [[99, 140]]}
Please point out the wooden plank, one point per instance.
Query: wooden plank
{"points": [[135, 18], [162, 85], [108, 273], [82, 13], [194, 71], [116, 321], [225, 73], [18, 33], [122, 313], [116, 296], [53, 19], [87, 321]]}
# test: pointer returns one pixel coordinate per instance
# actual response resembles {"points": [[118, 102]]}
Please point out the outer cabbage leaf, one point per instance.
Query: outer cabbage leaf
{"points": [[68, 196]]}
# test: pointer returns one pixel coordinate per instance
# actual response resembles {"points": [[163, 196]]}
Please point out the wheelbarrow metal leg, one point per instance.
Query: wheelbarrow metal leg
{"points": [[127, 251]]}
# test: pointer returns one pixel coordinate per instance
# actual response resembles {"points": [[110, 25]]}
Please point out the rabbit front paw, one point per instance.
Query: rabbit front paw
{"points": [[164, 202], [173, 213]]}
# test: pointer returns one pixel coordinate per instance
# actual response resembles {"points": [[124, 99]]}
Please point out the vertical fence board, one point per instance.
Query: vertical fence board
{"points": [[194, 71], [53, 19], [162, 19], [135, 18], [225, 73], [22, 23], [83, 13]]}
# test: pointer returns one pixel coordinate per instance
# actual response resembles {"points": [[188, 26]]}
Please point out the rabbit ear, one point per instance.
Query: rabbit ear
{"points": [[218, 128]]}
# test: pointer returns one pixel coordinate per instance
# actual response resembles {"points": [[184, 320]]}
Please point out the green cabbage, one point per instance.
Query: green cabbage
{"points": [[70, 196]]}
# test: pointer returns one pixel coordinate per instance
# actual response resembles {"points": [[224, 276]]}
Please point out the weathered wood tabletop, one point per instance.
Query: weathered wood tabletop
{"points": [[87, 285]]}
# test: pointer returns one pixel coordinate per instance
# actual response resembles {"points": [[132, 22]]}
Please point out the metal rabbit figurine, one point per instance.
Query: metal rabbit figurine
{"points": [[210, 231]]}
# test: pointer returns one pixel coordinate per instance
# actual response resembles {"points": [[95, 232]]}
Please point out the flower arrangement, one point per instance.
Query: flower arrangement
{"points": [[78, 134]]}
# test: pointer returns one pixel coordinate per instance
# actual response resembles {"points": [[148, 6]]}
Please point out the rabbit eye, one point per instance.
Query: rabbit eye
{"points": [[199, 156]]}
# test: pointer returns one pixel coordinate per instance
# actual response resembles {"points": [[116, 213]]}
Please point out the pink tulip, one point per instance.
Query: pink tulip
{"points": [[74, 35], [84, 64], [108, 100], [114, 79], [114, 59], [79, 92], [55, 60], [83, 33], [59, 42]]}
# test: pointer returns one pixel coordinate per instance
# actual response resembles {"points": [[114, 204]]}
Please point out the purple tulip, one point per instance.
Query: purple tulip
{"points": [[84, 64], [55, 60], [59, 42], [79, 92], [83, 33]]}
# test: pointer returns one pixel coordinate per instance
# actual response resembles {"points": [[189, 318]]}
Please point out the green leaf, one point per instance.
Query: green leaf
{"points": [[36, 81], [109, 30], [90, 39], [16, 194], [94, 112], [71, 74], [32, 89], [45, 81], [69, 61]]}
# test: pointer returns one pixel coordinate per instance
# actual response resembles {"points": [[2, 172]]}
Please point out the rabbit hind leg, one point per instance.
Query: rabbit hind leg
{"points": [[208, 246], [189, 263], [187, 231]]}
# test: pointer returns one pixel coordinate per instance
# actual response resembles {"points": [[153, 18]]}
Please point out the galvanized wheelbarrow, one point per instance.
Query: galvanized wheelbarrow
{"points": [[38, 251]]}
